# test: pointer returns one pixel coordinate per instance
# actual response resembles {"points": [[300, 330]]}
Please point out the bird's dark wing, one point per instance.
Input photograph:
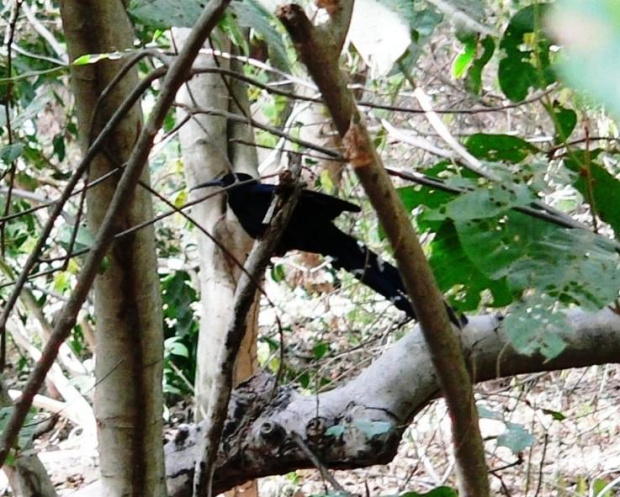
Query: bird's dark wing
{"points": [[326, 205]]}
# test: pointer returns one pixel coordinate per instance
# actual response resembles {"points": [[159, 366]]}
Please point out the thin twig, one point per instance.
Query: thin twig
{"points": [[317, 463]]}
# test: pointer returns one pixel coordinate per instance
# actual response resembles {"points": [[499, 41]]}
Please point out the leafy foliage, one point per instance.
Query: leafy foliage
{"points": [[165, 14], [180, 332], [527, 61]]}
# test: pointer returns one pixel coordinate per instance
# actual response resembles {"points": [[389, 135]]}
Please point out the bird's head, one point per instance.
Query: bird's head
{"points": [[227, 180]]}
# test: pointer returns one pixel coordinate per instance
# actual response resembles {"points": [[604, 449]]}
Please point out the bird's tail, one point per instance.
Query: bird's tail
{"points": [[366, 266]]}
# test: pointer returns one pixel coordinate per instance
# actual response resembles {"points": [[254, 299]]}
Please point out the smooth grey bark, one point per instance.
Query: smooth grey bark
{"points": [[207, 153], [128, 397]]}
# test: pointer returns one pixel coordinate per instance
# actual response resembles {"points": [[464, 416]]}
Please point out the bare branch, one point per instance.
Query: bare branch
{"points": [[321, 59]]}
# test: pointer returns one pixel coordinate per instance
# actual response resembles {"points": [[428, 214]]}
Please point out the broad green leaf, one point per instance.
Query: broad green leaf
{"points": [[165, 14], [251, 14], [415, 196], [320, 349], [174, 346], [516, 438], [527, 54], [598, 187], [28, 428], [83, 240], [9, 153], [599, 484], [484, 202], [499, 148], [455, 271], [534, 326], [570, 265], [574, 266], [564, 121]]}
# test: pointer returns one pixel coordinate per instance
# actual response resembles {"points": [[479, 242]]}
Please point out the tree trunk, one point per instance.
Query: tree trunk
{"points": [[209, 150], [128, 398], [204, 140]]}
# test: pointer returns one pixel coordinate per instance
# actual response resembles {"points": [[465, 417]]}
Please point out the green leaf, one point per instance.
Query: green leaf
{"points": [[94, 58], [534, 325], [464, 60], [574, 266], [473, 83], [484, 202], [178, 297], [600, 188], [454, 270], [598, 485], [415, 196], [556, 415], [516, 438], [175, 346], [11, 152], [499, 147], [165, 14], [564, 121], [83, 240], [320, 349], [516, 78], [277, 273], [59, 146], [28, 428], [372, 428], [526, 63], [251, 14]]}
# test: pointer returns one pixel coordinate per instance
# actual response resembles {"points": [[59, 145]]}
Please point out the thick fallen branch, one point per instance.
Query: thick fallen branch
{"points": [[258, 440]]}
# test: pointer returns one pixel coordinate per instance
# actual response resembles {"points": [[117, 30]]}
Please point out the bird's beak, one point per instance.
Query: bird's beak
{"points": [[213, 182]]}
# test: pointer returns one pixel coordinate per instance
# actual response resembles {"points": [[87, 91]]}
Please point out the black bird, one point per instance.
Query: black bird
{"points": [[311, 229]]}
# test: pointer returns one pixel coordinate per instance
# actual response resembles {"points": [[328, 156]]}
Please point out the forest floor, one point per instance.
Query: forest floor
{"points": [[570, 417]]}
